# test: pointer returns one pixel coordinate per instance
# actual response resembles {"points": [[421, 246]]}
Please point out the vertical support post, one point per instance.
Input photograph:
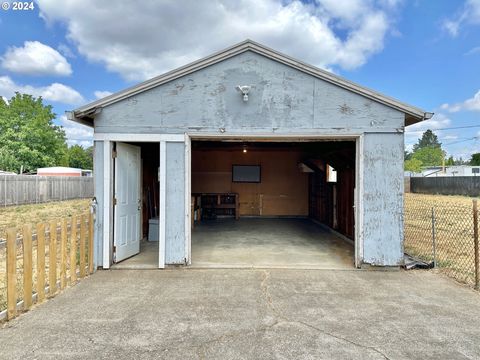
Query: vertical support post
{"points": [[40, 263], [192, 211], [475, 241], [358, 199], [107, 201], [434, 245], [82, 245], [5, 191], [52, 259], [73, 250], [237, 207], [189, 219], [90, 244], [27, 267], [11, 273], [63, 255], [163, 192]]}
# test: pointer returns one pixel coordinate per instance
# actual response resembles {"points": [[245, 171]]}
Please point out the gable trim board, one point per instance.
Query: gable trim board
{"points": [[86, 114]]}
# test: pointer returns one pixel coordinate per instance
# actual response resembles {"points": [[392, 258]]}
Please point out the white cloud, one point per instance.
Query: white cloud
{"points": [[101, 94], [77, 134], [469, 14], [465, 152], [415, 131], [35, 58], [156, 36], [449, 137], [54, 92], [473, 51], [438, 121], [472, 104], [66, 51]]}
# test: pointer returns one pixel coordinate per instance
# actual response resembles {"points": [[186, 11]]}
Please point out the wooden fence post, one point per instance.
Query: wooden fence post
{"points": [[27, 267], [11, 273], [82, 245], [475, 242], [40, 262], [63, 255], [90, 243], [73, 250], [52, 259]]}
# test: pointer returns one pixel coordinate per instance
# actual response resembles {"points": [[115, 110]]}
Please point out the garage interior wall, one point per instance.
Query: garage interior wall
{"points": [[285, 189]]}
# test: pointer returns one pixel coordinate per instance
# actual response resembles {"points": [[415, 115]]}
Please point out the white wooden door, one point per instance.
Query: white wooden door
{"points": [[127, 229]]}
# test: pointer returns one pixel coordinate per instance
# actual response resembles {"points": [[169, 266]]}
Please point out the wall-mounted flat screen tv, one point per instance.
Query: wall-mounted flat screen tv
{"points": [[246, 173]]}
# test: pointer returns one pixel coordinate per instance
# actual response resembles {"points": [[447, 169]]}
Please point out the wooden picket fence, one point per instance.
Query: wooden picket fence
{"points": [[66, 245]]}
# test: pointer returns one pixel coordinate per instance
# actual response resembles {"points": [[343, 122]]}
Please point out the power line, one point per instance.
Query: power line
{"points": [[459, 127], [460, 141], [450, 128]]}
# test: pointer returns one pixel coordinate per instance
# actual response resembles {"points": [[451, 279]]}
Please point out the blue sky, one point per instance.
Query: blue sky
{"points": [[423, 52]]}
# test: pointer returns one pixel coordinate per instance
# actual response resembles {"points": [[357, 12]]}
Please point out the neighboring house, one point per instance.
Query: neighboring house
{"points": [[455, 170], [241, 121], [62, 171]]}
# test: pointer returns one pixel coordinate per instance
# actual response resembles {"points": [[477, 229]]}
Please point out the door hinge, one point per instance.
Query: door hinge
{"points": [[114, 201], [114, 154]]}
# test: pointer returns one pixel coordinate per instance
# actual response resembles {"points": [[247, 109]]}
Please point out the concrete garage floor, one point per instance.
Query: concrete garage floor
{"points": [[146, 259], [251, 314], [268, 243]]}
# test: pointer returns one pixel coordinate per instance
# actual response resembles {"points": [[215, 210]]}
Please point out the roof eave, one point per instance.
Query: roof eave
{"points": [[80, 118]]}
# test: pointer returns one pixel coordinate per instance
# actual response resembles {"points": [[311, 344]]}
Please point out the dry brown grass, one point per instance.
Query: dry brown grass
{"points": [[16, 216], [453, 233]]}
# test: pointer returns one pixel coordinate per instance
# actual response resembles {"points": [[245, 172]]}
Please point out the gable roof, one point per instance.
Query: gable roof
{"points": [[85, 114]]}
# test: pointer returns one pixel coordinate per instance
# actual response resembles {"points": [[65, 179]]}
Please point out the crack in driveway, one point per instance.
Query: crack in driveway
{"points": [[269, 301]]}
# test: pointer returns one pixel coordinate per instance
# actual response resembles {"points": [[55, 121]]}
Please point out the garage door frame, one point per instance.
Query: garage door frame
{"points": [[359, 167]]}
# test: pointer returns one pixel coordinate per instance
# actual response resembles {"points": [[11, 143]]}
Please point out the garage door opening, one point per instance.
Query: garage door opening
{"points": [[273, 204]]}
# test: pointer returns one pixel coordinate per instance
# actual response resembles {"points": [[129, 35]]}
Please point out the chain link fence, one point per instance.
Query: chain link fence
{"points": [[443, 231]]}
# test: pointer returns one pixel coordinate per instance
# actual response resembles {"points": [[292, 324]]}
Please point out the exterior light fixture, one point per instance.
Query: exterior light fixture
{"points": [[244, 89], [244, 148]]}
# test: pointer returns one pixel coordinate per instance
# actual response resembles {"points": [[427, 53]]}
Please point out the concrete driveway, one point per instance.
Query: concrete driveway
{"points": [[251, 314]]}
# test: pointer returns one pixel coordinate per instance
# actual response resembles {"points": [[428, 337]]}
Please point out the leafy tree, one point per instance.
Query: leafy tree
{"points": [[80, 158], [89, 151], [8, 161], [429, 156], [460, 161], [407, 155], [475, 160], [427, 152], [450, 161], [429, 139], [28, 136], [413, 165]]}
